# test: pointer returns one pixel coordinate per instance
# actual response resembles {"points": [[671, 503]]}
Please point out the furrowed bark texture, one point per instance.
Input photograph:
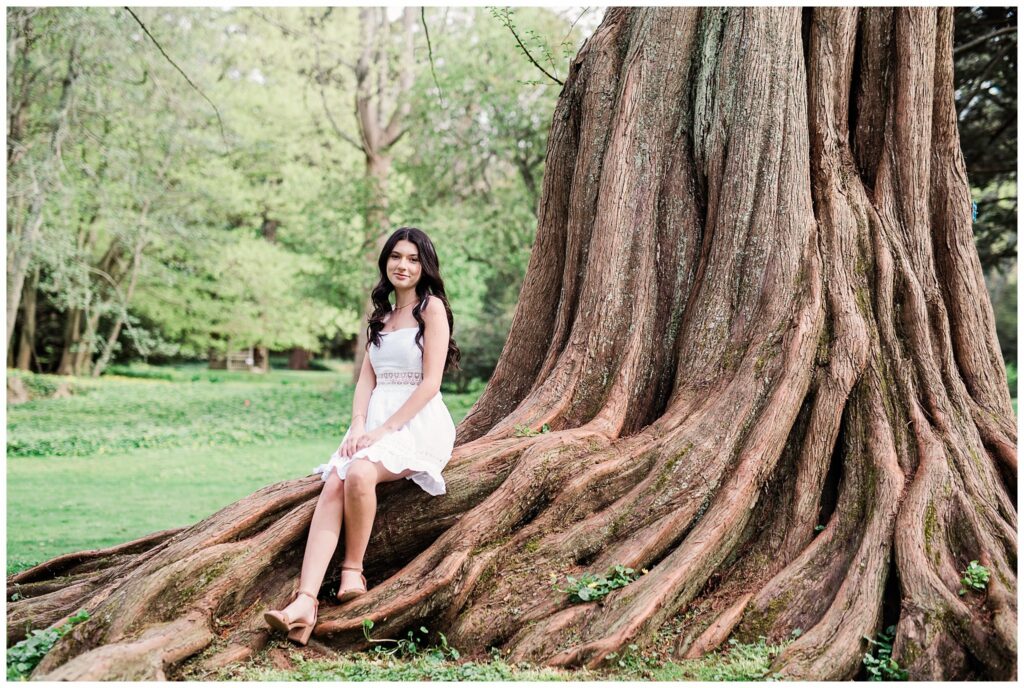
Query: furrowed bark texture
{"points": [[755, 323]]}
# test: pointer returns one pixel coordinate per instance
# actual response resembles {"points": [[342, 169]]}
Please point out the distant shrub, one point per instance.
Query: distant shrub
{"points": [[141, 373]]}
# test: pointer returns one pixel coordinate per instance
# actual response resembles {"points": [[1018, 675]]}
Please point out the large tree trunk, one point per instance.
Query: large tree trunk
{"points": [[753, 307]]}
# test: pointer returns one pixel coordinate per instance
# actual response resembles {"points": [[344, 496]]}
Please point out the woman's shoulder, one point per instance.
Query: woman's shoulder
{"points": [[435, 317], [433, 306]]}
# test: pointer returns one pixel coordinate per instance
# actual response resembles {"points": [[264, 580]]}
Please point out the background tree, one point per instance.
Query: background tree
{"points": [[384, 73], [266, 162], [40, 165], [753, 307], [151, 170], [985, 59], [985, 56]]}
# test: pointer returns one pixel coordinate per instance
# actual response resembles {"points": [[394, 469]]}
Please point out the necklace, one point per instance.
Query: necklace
{"points": [[395, 309]]}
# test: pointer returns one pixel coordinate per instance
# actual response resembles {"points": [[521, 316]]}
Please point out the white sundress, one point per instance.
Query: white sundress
{"points": [[425, 442]]}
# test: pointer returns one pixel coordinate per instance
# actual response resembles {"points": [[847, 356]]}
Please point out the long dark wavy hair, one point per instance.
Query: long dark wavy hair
{"points": [[429, 284]]}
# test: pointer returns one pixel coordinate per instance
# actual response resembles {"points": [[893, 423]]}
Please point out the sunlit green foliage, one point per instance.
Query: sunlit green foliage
{"points": [[231, 178]]}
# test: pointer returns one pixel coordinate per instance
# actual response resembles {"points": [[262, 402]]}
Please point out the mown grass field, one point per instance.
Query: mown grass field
{"points": [[164, 447]]}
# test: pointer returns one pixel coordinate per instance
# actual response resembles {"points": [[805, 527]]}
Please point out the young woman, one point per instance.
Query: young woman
{"points": [[400, 426]]}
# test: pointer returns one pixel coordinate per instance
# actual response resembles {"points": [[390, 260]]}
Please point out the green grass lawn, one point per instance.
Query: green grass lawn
{"points": [[166, 447], [70, 503]]}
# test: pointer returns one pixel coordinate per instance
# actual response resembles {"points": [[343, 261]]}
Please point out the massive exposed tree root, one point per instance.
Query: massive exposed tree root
{"points": [[755, 323]]}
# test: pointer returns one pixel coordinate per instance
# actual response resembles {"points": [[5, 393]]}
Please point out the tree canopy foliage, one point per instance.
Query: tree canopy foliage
{"points": [[206, 140], [180, 180]]}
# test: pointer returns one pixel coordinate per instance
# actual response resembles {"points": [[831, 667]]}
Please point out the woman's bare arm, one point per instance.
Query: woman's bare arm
{"points": [[361, 398]]}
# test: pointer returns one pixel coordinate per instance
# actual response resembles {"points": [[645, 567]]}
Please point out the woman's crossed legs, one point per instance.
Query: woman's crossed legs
{"points": [[354, 501]]}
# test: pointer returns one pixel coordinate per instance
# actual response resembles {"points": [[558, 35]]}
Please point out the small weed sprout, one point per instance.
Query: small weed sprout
{"points": [[975, 577], [883, 667], [520, 430], [590, 587], [410, 646]]}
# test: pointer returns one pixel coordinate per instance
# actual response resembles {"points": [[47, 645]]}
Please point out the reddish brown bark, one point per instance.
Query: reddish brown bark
{"points": [[753, 307]]}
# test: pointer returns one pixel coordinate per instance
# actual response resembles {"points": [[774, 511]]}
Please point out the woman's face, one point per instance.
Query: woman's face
{"points": [[404, 265]]}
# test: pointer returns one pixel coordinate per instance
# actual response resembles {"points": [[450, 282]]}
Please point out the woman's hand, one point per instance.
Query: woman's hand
{"points": [[361, 440], [357, 428]]}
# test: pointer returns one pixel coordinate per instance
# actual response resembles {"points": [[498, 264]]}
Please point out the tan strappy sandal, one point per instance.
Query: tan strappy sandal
{"points": [[350, 593], [298, 631]]}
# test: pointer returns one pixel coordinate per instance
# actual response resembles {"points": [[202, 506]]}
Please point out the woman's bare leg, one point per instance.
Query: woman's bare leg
{"points": [[324, 531], [360, 509]]}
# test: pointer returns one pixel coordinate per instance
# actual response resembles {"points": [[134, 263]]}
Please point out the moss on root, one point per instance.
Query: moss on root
{"points": [[823, 353], [670, 466], [930, 525], [758, 622], [974, 457], [182, 589]]}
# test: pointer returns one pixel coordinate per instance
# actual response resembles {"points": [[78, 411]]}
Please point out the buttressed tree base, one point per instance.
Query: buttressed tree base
{"points": [[753, 308]]}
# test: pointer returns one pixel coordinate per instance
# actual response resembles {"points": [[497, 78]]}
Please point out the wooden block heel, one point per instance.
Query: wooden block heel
{"points": [[298, 631], [300, 634]]}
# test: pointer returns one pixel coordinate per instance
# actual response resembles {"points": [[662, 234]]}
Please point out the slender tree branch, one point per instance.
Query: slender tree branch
{"points": [[402, 106], [216, 111], [983, 39], [365, 117], [504, 19], [400, 134], [979, 81], [430, 55], [334, 125]]}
